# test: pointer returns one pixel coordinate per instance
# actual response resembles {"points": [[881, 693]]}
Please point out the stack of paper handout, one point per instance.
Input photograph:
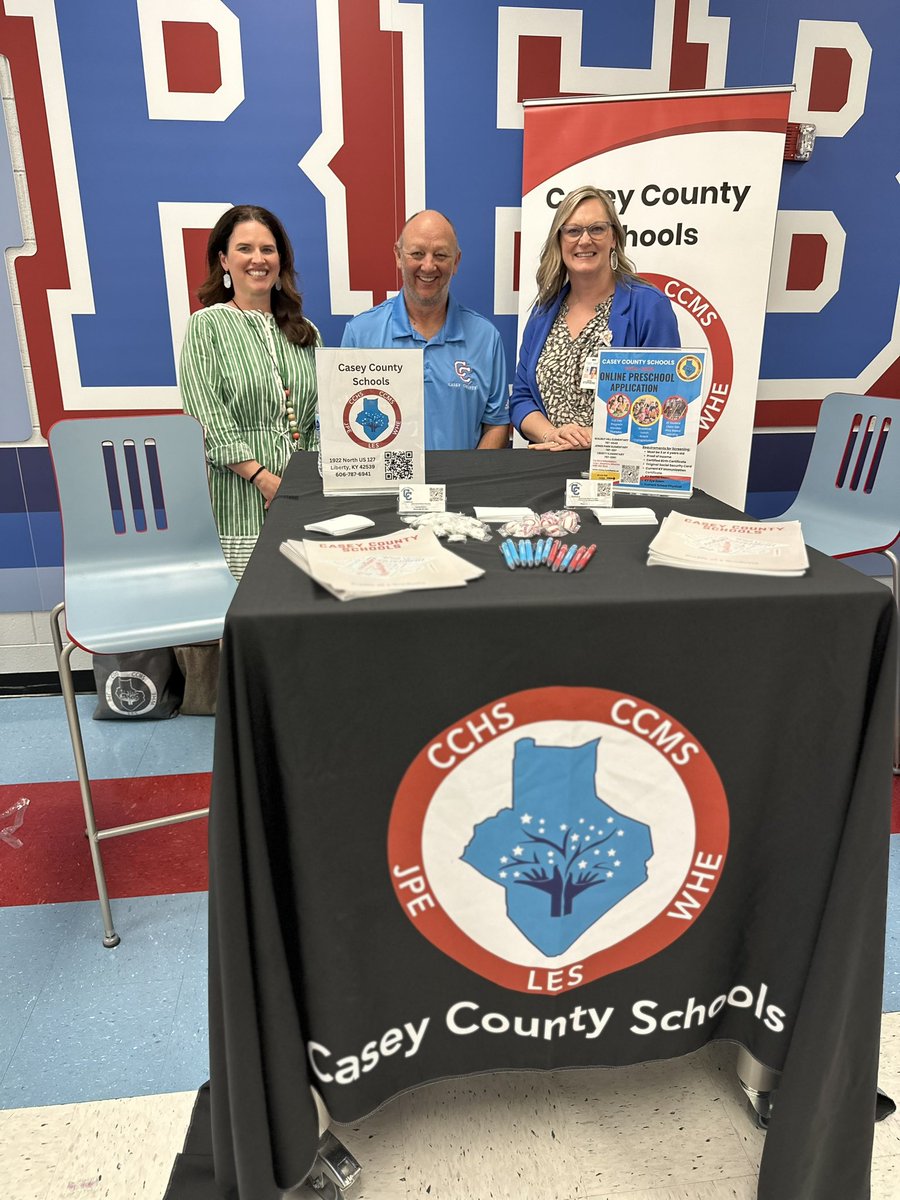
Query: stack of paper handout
{"points": [[500, 516], [747, 547], [409, 560], [625, 516]]}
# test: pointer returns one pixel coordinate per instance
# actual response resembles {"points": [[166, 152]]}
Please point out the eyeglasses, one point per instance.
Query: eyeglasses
{"points": [[573, 233]]}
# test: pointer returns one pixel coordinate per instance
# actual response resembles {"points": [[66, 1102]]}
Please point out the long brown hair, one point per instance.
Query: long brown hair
{"points": [[551, 273], [287, 303]]}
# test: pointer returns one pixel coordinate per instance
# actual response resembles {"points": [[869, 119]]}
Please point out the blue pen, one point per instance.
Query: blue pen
{"points": [[527, 547], [561, 551], [570, 554], [511, 546], [538, 551], [549, 551], [507, 554]]}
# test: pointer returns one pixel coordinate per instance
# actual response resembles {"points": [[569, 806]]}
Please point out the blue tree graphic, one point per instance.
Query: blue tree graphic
{"points": [[564, 856], [372, 420]]}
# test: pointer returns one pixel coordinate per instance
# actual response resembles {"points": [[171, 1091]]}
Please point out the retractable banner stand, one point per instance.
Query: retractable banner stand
{"points": [[694, 177]]}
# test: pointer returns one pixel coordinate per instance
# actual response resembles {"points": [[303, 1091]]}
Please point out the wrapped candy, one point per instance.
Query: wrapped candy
{"points": [[556, 524], [455, 527]]}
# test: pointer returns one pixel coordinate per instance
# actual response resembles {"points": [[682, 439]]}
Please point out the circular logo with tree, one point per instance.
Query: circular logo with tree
{"points": [[558, 835], [372, 418]]}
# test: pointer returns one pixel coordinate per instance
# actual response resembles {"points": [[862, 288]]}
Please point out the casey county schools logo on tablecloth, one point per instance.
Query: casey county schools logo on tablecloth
{"points": [[558, 835]]}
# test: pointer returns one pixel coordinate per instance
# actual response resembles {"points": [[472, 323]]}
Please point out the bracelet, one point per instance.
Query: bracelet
{"points": [[258, 471]]}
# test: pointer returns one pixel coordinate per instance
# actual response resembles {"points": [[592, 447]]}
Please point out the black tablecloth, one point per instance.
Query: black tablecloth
{"points": [[784, 689]]}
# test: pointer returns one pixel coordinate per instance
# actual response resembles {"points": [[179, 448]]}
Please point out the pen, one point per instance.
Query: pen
{"points": [[511, 547], [570, 554], [579, 555], [586, 557], [561, 550], [527, 551], [549, 545], [538, 551], [507, 554]]}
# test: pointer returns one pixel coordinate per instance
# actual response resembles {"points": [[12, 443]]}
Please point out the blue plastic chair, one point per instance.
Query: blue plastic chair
{"points": [[849, 500], [142, 562]]}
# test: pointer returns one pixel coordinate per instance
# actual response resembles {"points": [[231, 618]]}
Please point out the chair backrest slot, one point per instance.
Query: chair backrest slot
{"points": [[156, 487], [880, 443], [862, 454], [134, 486], [111, 468], [848, 450]]}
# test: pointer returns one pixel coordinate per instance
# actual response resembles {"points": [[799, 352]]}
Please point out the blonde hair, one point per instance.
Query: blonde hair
{"points": [[551, 273]]}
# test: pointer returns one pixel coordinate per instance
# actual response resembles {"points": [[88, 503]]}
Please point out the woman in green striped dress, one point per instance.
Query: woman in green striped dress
{"points": [[248, 372]]}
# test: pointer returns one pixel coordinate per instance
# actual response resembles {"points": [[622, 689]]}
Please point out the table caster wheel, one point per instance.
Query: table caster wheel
{"points": [[334, 1170], [323, 1188], [760, 1105]]}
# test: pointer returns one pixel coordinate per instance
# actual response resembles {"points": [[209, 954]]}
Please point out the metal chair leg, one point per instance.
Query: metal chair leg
{"points": [[895, 582], [63, 654], [759, 1083], [95, 835]]}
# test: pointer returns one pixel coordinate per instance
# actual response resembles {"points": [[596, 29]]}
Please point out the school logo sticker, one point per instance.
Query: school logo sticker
{"points": [[688, 367], [558, 835]]}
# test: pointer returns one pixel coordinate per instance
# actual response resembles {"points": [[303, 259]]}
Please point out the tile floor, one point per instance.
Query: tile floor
{"points": [[101, 1052]]}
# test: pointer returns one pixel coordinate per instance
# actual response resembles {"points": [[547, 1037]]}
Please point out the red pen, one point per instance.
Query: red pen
{"points": [[586, 558], [576, 562]]}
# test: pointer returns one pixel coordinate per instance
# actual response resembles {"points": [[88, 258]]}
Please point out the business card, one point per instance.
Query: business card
{"points": [[421, 498], [589, 493]]}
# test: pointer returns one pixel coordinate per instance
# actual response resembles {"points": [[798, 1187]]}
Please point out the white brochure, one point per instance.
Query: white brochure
{"points": [[371, 420], [408, 560]]}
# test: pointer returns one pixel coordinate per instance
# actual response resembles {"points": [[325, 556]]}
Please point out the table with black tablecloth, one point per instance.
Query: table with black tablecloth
{"points": [[359, 940]]}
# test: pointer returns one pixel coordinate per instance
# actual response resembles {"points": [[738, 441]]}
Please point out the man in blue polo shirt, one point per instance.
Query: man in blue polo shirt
{"points": [[466, 396]]}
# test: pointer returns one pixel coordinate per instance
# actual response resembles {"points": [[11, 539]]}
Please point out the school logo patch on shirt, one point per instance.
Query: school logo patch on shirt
{"points": [[463, 370]]}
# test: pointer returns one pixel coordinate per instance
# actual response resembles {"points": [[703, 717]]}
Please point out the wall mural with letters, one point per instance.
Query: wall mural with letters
{"points": [[132, 125]]}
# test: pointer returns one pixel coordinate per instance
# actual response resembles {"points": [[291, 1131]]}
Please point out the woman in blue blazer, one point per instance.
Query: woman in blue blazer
{"points": [[588, 297]]}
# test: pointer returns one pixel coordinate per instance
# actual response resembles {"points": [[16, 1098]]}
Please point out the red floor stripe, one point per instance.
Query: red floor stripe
{"points": [[53, 863]]}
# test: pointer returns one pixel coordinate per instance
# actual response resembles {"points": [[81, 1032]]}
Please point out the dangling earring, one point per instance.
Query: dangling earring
{"points": [[226, 280], [278, 285], [614, 260]]}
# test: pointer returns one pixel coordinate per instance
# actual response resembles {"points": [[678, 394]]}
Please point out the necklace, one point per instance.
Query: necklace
{"points": [[289, 411]]}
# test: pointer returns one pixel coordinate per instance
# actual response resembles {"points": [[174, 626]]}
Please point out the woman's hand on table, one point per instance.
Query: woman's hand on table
{"points": [[565, 437]]}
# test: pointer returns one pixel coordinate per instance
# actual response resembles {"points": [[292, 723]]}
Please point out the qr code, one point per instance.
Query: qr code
{"points": [[398, 464], [436, 494], [630, 473]]}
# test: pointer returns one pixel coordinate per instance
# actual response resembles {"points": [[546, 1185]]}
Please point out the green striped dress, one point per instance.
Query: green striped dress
{"points": [[232, 366]]}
